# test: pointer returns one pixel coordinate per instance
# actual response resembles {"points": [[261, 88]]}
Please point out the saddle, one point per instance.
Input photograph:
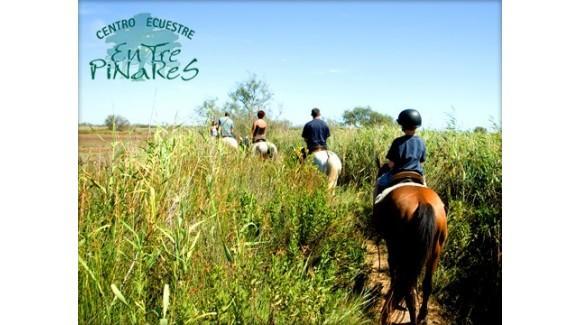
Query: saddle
{"points": [[407, 177], [305, 152], [316, 149], [400, 179]]}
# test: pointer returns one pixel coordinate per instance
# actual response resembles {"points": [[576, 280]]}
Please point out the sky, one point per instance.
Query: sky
{"points": [[439, 57]]}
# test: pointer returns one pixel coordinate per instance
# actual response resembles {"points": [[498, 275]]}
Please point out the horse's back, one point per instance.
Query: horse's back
{"points": [[401, 205], [407, 198], [261, 147], [265, 149], [231, 142]]}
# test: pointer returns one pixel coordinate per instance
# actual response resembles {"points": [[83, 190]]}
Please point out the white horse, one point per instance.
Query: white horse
{"points": [[329, 163], [265, 149], [230, 142]]}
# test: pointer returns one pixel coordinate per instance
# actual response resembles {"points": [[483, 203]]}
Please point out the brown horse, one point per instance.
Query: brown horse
{"points": [[413, 222]]}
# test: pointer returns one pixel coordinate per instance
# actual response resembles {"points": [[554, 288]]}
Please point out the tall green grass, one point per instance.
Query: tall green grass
{"points": [[235, 239], [466, 170], [240, 240]]}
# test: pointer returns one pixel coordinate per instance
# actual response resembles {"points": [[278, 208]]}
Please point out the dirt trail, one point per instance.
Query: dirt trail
{"points": [[376, 276]]}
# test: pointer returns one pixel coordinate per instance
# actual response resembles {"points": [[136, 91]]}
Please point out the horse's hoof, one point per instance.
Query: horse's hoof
{"points": [[422, 319]]}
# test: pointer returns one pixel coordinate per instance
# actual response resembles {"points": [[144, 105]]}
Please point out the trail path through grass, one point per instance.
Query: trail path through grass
{"points": [[379, 277]]}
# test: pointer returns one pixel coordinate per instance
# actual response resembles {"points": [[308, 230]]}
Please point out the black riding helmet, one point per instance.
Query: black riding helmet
{"points": [[409, 118]]}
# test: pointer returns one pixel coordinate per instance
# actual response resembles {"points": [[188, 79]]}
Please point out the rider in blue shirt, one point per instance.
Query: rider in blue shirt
{"points": [[407, 153], [315, 132]]}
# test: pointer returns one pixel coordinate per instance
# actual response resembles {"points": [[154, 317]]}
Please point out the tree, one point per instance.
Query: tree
{"points": [[209, 110], [249, 96], [116, 122], [252, 94], [364, 117]]}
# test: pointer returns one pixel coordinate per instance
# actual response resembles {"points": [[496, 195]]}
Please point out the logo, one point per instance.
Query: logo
{"points": [[144, 48]]}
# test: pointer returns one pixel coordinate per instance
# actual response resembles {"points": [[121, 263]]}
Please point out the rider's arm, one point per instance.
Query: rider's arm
{"points": [[305, 134], [253, 129], [391, 155]]}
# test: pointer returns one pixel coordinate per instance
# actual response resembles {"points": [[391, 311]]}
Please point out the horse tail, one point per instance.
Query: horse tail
{"points": [[272, 150], [421, 238], [334, 166], [425, 226]]}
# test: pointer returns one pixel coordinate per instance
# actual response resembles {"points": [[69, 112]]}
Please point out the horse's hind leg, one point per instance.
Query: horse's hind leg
{"points": [[427, 282], [386, 310], [426, 293], [411, 299]]}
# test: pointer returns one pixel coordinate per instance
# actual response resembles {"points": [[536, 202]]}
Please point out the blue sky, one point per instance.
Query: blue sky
{"points": [[391, 55]]}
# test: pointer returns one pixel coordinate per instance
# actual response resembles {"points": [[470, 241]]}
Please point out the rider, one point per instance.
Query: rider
{"points": [[407, 153], [315, 132], [226, 126], [213, 130], [259, 128]]}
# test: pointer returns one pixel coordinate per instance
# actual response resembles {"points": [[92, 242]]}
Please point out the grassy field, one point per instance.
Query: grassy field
{"points": [[173, 228]]}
